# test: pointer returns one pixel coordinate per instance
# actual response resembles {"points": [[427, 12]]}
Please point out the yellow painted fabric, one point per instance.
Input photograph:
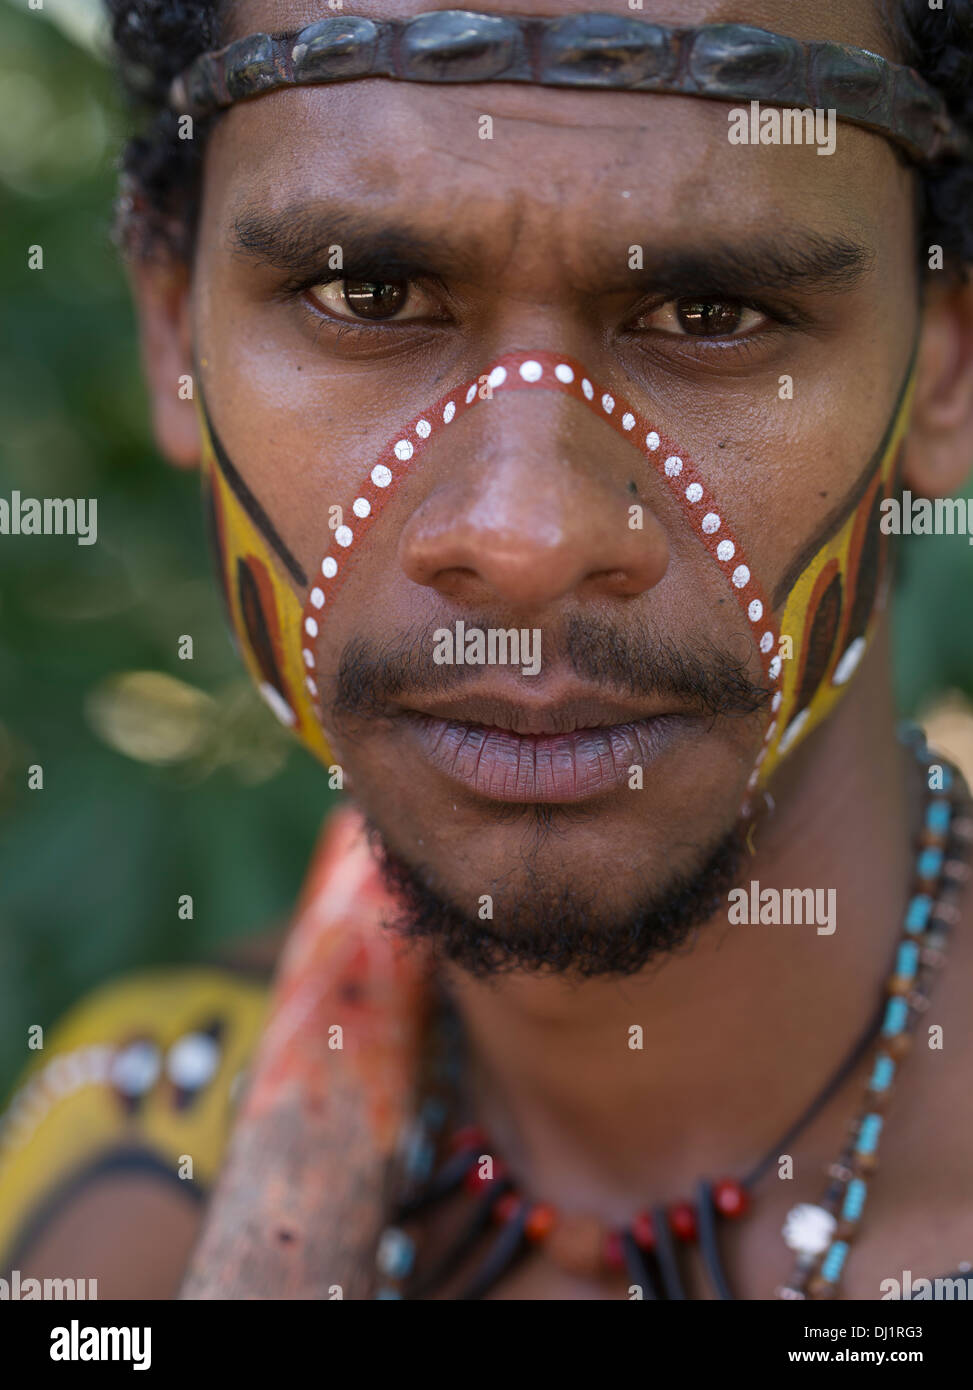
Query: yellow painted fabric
{"points": [[67, 1113]]}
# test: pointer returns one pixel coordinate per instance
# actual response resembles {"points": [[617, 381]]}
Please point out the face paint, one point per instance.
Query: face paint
{"points": [[518, 371], [833, 605], [258, 574], [830, 604]]}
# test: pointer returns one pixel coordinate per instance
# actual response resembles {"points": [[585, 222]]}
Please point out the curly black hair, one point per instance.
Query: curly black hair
{"points": [[156, 39]]}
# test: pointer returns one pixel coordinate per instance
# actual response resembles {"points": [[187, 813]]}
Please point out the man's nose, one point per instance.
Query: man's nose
{"points": [[534, 499]]}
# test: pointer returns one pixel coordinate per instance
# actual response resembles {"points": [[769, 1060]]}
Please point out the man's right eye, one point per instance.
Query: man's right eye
{"points": [[369, 299]]}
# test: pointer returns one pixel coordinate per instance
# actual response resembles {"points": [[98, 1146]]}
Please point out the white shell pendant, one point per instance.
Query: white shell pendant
{"points": [[808, 1229]]}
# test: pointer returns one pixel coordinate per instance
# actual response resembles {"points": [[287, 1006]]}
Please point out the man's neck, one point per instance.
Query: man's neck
{"points": [[739, 1030]]}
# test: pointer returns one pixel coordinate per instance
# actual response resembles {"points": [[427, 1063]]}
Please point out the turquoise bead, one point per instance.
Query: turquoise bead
{"points": [[917, 913], [930, 862], [938, 817], [854, 1200], [871, 1128], [896, 1014], [907, 960], [396, 1253], [882, 1075], [420, 1159], [388, 1293], [834, 1261]]}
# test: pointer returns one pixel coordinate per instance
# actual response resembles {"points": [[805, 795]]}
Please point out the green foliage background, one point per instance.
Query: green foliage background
{"points": [[92, 866]]}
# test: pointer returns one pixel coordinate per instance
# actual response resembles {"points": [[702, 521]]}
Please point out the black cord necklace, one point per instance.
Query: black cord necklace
{"points": [[648, 1247]]}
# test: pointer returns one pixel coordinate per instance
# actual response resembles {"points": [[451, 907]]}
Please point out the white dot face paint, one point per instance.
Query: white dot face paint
{"points": [[543, 371]]}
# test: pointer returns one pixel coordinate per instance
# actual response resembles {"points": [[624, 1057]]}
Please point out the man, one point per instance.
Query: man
{"points": [[546, 433]]}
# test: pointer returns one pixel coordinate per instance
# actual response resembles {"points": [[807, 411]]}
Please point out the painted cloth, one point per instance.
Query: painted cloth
{"points": [[152, 1068]]}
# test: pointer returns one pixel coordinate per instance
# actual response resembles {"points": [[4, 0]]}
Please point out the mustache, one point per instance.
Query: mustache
{"points": [[373, 678]]}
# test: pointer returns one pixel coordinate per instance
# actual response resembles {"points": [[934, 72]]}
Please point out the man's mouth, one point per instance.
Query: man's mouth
{"points": [[569, 751]]}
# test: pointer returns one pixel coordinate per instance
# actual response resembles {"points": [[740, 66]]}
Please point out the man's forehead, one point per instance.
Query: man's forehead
{"points": [[856, 22], [632, 167], [592, 148]]}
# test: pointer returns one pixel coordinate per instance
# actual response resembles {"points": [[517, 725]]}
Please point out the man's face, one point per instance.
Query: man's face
{"points": [[755, 264]]}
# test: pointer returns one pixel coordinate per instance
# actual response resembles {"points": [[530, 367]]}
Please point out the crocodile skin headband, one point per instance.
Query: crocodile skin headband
{"points": [[726, 62]]}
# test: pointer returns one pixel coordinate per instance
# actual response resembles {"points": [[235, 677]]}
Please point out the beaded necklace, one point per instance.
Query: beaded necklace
{"points": [[818, 1234]]}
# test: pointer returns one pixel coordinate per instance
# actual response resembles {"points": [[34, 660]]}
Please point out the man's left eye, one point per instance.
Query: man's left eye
{"points": [[703, 318], [370, 299]]}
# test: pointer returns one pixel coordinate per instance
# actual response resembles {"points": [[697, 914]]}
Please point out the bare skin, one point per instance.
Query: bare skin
{"points": [[739, 1032]]}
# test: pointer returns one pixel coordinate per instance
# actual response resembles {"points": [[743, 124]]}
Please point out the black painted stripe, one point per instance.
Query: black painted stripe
{"points": [[250, 504], [840, 513]]}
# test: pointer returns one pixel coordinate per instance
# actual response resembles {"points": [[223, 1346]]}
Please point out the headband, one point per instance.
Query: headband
{"points": [[725, 62]]}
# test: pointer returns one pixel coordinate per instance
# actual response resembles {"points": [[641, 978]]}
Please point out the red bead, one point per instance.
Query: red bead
{"points": [[643, 1232], [682, 1221], [612, 1253], [506, 1207], [540, 1222], [730, 1198], [469, 1137]]}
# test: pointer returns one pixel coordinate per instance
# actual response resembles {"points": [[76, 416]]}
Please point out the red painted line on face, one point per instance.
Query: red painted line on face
{"points": [[520, 371]]}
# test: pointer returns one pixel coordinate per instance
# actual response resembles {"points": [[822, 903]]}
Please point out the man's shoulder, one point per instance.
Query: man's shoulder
{"points": [[140, 1078]]}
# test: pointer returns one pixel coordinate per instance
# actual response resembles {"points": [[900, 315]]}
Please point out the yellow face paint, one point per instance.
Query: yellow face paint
{"points": [[259, 576], [833, 606]]}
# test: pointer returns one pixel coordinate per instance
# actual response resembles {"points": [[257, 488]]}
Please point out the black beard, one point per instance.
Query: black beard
{"points": [[556, 929]]}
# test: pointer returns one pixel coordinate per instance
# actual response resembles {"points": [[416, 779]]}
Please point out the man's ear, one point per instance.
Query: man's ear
{"points": [[161, 291], [939, 446]]}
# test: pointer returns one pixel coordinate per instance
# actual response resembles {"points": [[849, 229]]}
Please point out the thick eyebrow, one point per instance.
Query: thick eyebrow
{"points": [[805, 261], [301, 240]]}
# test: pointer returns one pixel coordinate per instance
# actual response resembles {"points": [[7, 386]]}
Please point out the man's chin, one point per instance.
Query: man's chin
{"points": [[549, 924]]}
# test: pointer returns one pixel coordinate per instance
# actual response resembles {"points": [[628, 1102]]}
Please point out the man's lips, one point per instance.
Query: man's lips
{"points": [[566, 751]]}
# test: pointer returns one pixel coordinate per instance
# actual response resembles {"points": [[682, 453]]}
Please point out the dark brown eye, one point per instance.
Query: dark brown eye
{"points": [[707, 318], [374, 299]]}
